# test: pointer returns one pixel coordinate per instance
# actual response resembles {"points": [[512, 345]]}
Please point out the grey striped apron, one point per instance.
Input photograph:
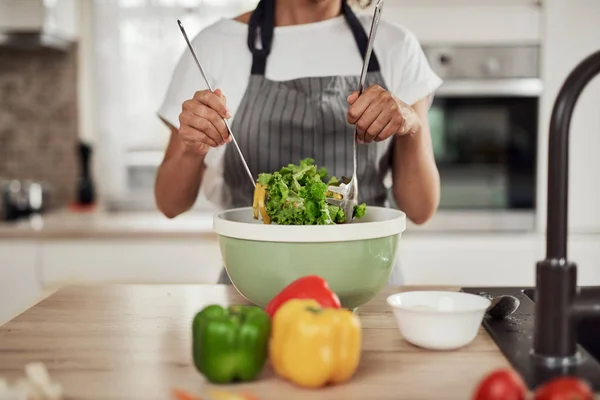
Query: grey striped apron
{"points": [[282, 122]]}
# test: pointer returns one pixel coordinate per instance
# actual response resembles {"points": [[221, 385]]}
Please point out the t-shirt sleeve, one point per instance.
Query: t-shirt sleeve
{"points": [[185, 81], [417, 80]]}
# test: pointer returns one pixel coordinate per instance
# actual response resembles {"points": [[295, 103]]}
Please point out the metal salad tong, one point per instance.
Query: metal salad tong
{"points": [[211, 89], [348, 189]]}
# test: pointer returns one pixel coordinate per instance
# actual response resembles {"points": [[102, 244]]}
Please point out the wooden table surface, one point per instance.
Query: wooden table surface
{"points": [[132, 342]]}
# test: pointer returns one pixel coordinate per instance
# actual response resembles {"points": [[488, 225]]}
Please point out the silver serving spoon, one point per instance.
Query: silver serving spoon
{"points": [[502, 306], [211, 89], [348, 189]]}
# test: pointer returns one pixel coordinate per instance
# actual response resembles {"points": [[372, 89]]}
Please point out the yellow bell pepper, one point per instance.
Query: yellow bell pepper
{"points": [[313, 346]]}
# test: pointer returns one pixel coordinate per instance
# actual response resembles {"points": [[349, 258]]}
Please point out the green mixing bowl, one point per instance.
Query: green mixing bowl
{"points": [[356, 259]]}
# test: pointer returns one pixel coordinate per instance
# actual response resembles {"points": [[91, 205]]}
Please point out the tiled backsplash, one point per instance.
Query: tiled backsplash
{"points": [[38, 119]]}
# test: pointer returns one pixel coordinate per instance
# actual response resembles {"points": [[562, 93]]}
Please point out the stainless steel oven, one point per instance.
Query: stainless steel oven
{"points": [[484, 125]]}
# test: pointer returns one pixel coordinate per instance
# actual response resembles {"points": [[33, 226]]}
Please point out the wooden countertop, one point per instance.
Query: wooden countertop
{"points": [[132, 342], [70, 225]]}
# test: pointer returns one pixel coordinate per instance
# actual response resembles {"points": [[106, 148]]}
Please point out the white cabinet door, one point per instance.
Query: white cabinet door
{"points": [[584, 250], [490, 259], [473, 22], [20, 285], [470, 260], [571, 33], [426, 259], [160, 260]]}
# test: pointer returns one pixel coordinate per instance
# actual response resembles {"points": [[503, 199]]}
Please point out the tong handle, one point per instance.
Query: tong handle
{"points": [[187, 40], [372, 34]]}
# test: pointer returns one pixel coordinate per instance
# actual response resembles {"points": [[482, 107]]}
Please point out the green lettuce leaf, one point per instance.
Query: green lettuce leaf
{"points": [[296, 195]]}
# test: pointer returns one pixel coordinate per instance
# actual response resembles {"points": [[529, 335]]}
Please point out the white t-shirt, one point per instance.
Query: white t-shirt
{"points": [[324, 48]]}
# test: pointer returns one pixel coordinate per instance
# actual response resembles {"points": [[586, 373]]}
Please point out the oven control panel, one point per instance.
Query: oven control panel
{"points": [[474, 62]]}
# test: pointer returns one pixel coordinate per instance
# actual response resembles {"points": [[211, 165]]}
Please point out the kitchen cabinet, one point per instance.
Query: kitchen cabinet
{"points": [[584, 250], [481, 23], [473, 259], [130, 260], [20, 285], [57, 17], [570, 33], [141, 248], [490, 259], [447, 259], [470, 259]]}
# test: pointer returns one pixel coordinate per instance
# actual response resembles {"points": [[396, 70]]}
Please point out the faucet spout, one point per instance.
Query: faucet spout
{"points": [[558, 155], [556, 305]]}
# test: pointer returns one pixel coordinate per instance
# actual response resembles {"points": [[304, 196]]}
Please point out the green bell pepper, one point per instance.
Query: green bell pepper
{"points": [[230, 344]]}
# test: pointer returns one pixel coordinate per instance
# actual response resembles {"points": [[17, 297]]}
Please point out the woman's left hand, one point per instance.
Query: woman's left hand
{"points": [[378, 115]]}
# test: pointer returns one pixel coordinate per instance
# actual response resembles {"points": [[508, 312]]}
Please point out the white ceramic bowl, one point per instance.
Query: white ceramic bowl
{"points": [[438, 320]]}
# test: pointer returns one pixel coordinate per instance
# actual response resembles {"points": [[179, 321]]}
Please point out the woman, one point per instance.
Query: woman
{"points": [[287, 75]]}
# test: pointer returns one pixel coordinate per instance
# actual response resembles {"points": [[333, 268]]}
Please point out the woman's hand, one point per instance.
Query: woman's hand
{"points": [[201, 121], [378, 115]]}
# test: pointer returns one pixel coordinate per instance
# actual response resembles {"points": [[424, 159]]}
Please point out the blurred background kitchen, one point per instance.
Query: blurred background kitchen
{"points": [[81, 80]]}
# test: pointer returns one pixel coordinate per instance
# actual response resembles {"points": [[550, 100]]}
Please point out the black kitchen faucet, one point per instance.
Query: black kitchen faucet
{"points": [[559, 332], [558, 307]]}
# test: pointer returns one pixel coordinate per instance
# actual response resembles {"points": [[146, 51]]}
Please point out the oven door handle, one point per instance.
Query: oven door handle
{"points": [[526, 87]]}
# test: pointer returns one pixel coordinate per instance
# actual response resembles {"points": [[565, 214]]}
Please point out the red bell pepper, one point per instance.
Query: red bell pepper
{"points": [[307, 287]]}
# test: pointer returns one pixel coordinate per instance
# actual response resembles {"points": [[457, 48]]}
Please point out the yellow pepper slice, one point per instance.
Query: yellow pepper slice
{"points": [[313, 346], [258, 204], [257, 193]]}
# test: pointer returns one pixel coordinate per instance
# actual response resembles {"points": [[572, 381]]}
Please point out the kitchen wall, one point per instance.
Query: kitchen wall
{"points": [[38, 119]]}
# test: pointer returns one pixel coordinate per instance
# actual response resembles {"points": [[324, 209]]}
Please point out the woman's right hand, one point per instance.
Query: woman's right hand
{"points": [[201, 121]]}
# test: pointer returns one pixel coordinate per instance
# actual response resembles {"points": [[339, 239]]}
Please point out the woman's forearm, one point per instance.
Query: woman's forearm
{"points": [[178, 179], [416, 180]]}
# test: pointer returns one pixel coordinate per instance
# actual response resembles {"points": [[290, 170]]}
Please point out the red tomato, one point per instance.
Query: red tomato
{"points": [[564, 388], [503, 384]]}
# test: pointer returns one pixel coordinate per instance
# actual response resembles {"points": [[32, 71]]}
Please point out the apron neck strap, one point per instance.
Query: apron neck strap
{"points": [[262, 22]]}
